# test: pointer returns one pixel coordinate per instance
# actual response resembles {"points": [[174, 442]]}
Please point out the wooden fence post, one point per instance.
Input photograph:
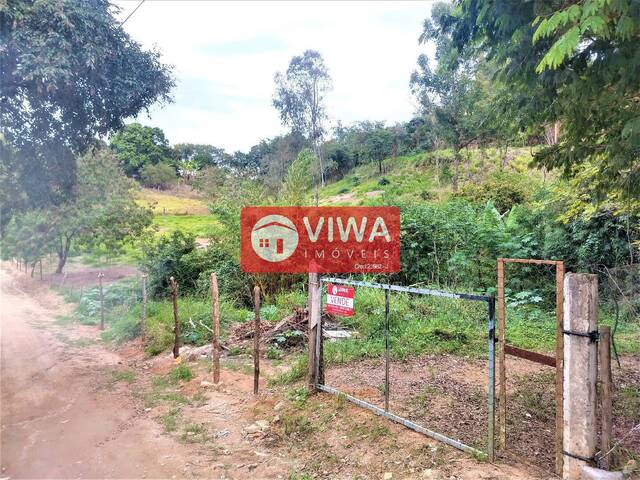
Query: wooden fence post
{"points": [[580, 372], [100, 275], [606, 411], [143, 311], [215, 328], [314, 313], [256, 339], [176, 322]]}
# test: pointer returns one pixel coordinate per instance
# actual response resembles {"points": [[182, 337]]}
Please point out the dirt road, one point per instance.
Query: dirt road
{"points": [[57, 419], [66, 414]]}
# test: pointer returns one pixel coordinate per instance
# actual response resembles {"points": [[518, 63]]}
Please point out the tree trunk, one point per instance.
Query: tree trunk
{"points": [[63, 253], [504, 161], [456, 167]]}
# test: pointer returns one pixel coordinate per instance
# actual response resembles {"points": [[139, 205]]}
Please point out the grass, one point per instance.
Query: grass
{"points": [[195, 433], [181, 373], [415, 178], [170, 202], [297, 371], [202, 226], [127, 376], [170, 420]]}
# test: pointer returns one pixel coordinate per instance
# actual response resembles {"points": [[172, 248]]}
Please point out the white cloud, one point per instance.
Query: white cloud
{"points": [[226, 54]]}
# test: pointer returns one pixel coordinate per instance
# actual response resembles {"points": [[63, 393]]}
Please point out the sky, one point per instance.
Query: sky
{"points": [[225, 55]]}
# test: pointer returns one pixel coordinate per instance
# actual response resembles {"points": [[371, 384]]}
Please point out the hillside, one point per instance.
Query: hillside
{"points": [[422, 177]]}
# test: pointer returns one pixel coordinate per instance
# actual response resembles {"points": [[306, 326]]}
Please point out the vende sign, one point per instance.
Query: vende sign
{"points": [[340, 300], [320, 239]]}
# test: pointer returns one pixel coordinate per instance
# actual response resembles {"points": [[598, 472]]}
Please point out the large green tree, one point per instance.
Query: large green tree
{"points": [[137, 145], [68, 73], [578, 63], [450, 95], [299, 97], [190, 158]]}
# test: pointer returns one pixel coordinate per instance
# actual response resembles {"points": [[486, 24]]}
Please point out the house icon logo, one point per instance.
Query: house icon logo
{"points": [[274, 238]]}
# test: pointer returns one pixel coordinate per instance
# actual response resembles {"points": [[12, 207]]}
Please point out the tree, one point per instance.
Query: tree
{"points": [[580, 63], [103, 209], [160, 175], [28, 237], [136, 146], [296, 183], [380, 144], [299, 97], [68, 73], [191, 158], [449, 95]]}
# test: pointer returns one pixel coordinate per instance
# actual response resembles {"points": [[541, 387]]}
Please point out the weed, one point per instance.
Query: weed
{"points": [[274, 353], [627, 403], [297, 371], [170, 419], [127, 376], [298, 396], [181, 372], [296, 424], [235, 350], [195, 433], [294, 475]]}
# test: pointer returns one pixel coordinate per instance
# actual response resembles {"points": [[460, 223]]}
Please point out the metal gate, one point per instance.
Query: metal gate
{"points": [[384, 412]]}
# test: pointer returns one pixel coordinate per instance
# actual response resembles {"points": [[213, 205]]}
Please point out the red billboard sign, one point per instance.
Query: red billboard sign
{"points": [[320, 239], [340, 300]]}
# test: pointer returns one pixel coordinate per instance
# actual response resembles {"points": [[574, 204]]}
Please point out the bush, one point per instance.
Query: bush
{"points": [[504, 189], [177, 255], [181, 372], [160, 175]]}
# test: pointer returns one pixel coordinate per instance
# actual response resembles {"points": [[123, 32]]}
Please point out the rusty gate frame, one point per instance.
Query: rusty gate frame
{"points": [[556, 362], [384, 412]]}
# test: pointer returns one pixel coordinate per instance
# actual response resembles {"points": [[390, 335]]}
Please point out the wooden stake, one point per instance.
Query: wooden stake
{"points": [[559, 365], [256, 339], [143, 311], [176, 323], [313, 308], [215, 328], [502, 370], [100, 275], [606, 384]]}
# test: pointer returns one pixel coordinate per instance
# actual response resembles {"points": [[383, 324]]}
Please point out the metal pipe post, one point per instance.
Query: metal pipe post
{"points": [[386, 350]]}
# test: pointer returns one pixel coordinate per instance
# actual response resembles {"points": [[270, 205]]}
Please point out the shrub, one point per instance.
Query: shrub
{"points": [[181, 372], [177, 255], [160, 175], [504, 189]]}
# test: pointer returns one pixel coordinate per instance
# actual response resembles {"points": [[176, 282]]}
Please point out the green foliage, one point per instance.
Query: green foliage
{"points": [[274, 353], [191, 158], [28, 237], [137, 146], [298, 369], [70, 73], [576, 64], [160, 175], [102, 213], [504, 189], [298, 180], [181, 373]]}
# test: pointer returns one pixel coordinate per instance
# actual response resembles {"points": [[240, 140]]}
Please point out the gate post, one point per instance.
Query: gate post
{"points": [[580, 372], [314, 307]]}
